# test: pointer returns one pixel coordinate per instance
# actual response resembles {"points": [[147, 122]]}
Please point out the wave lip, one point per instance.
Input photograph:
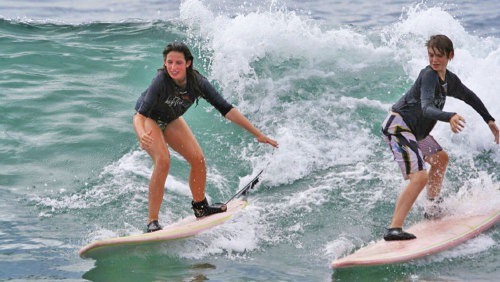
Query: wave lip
{"points": [[84, 12]]}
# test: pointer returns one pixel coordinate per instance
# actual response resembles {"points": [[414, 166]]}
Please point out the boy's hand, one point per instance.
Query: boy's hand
{"points": [[457, 123], [494, 130]]}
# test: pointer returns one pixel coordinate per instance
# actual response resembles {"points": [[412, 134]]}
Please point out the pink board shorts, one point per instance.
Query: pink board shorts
{"points": [[409, 153]]}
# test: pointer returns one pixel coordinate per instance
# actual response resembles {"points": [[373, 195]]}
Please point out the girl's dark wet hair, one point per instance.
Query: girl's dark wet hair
{"points": [[192, 82], [441, 43], [181, 48]]}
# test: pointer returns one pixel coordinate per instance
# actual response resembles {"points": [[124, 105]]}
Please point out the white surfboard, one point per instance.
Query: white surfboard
{"points": [[432, 236], [187, 227]]}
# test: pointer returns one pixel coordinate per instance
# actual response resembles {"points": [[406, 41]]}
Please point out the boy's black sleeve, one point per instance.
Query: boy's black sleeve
{"points": [[460, 91]]}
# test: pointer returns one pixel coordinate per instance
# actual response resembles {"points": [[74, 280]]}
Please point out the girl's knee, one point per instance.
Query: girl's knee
{"points": [[162, 161], [198, 162]]}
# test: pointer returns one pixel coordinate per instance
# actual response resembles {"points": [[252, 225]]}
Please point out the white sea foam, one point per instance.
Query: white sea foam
{"points": [[339, 247], [277, 37]]}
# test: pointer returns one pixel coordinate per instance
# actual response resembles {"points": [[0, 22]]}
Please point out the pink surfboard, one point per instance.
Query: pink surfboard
{"points": [[432, 236], [187, 227]]}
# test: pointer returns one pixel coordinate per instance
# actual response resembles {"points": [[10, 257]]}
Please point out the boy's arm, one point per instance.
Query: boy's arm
{"points": [[494, 130], [460, 91]]}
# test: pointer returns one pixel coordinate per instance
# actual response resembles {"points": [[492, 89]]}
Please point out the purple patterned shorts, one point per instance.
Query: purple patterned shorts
{"points": [[409, 153]]}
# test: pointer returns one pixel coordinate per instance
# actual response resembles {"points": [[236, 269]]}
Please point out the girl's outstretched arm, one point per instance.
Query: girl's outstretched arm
{"points": [[235, 116]]}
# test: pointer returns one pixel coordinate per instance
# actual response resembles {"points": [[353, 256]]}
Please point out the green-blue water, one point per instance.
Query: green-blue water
{"points": [[72, 171]]}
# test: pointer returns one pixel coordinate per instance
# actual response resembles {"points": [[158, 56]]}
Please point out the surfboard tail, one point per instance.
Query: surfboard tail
{"points": [[432, 237]]}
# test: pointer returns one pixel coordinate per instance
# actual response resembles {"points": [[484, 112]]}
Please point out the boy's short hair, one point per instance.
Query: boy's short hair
{"points": [[440, 42]]}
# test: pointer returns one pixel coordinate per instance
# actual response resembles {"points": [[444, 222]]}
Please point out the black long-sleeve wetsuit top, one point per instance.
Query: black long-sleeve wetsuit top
{"points": [[165, 101], [422, 106]]}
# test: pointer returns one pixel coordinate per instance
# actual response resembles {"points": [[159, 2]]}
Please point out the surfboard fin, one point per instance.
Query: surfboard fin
{"points": [[243, 191], [252, 184]]}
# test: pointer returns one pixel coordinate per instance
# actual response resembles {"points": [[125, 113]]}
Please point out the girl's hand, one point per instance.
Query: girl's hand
{"points": [[265, 139], [146, 140]]}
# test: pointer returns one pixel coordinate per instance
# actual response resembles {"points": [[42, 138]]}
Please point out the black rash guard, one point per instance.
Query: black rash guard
{"points": [[422, 106], [163, 103]]}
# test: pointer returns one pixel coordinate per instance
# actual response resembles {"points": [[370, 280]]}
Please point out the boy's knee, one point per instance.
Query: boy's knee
{"points": [[440, 159], [420, 178], [443, 158]]}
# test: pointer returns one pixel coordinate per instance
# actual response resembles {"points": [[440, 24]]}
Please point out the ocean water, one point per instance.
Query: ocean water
{"points": [[318, 76]]}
